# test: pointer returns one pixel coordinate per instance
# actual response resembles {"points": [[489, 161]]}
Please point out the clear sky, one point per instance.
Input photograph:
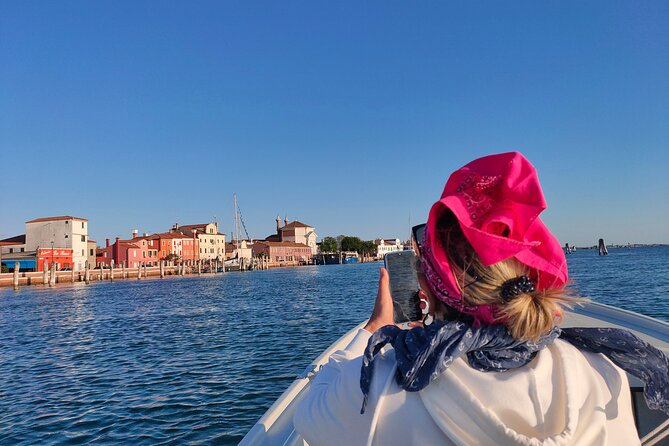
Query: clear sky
{"points": [[348, 116]]}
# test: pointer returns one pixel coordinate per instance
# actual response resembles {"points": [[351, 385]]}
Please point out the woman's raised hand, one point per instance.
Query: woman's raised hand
{"points": [[382, 314]]}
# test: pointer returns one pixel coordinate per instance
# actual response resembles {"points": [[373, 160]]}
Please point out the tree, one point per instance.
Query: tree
{"points": [[369, 248], [329, 244], [351, 244]]}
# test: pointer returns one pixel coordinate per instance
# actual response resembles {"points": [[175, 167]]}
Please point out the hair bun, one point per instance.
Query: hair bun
{"points": [[518, 285]]}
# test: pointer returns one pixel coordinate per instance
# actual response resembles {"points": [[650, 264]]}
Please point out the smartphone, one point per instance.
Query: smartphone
{"points": [[401, 266]]}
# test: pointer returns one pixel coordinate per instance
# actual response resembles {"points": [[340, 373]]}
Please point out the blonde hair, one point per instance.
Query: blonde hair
{"points": [[527, 315]]}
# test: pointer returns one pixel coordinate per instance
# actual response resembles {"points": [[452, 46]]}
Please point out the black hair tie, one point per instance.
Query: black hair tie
{"points": [[513, 287]]}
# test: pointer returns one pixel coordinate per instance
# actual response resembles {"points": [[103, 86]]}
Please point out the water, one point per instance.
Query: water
{"points": [[199, 360]]}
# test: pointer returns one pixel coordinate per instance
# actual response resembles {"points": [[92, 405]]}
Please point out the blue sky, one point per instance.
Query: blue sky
{"points": [[348, 116]]}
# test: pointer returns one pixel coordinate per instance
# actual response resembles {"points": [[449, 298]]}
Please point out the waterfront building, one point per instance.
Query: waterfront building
{"points": [[174, 243], [296, 232], [13, 245], [384, 246], [240, 249], [148, 248], [12, 250], [63, 239], [280, 252], [122, 251], [91, 246], [62, 232], [211, 242]]}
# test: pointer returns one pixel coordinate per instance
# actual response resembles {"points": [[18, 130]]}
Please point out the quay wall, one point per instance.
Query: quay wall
{"points": [[96, 275]]}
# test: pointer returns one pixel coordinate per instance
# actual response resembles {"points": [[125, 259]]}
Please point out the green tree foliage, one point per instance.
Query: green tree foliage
{"points": [[369, 248], [351, 244], [329, 244]]}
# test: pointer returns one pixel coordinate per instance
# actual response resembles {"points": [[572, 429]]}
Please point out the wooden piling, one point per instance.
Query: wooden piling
{"points": [[162, 269], [145, 269], [52, 279], [602, 248], [72, 274], [139, 271], [87, 273], [111, 270], [199, 267], [45, 276], [123, 275], [17, 267]]}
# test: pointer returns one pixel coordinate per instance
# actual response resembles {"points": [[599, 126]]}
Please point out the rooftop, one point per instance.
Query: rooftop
{"points": [[287, 244], [16, 240], [296, 224], [60, 217]]}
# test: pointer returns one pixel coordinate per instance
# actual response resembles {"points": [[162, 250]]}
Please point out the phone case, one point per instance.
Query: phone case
{"points": [[403, 285]]}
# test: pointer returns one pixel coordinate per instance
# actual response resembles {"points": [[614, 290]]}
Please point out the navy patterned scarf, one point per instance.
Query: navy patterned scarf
{"points": [[422, 354]]}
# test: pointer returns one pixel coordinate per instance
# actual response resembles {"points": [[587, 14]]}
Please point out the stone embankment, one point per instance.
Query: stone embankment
{"points": [[50, 277]]}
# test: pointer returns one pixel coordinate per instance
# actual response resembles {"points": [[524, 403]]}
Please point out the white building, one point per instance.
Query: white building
{"points": [[384, 246], [212, 242], [243, 249], [297, 232], [63, 232], [13, 245]]}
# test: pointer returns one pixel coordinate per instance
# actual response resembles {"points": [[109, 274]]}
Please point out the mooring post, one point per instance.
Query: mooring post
{"points": [[52, 280], [139, 271], [199, 267], [602, 248], [72, 275], [17, 266], [123, 269], [87, 272], [45, 270], [111, 270], [162, 269], [144, 269]]}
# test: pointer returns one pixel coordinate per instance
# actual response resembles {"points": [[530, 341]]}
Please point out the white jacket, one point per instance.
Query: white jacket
{"points": [[563, 397]]}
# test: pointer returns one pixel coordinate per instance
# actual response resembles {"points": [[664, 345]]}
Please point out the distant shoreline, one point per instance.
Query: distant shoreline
{"points": [[626, 246]]}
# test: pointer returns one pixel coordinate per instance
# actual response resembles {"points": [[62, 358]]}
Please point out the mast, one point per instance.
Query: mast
{"points": [[236, 221]]}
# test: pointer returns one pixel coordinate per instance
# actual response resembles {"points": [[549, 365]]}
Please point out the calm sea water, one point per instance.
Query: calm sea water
{"points": [[199, 360]]}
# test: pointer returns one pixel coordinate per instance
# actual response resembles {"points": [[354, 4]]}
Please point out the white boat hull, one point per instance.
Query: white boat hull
{"points": [[275, 427]]}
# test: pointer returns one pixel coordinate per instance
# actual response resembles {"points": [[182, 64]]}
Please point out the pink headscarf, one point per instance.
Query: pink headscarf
{"points": [[496, 200]]}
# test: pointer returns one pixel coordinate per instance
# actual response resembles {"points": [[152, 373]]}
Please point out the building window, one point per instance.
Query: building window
{"points": [[23, 249], [11, 250], [83, 238], [83, 253], [82, 225], [67, 222], [67, 236], [143, 254], [91, 252]]}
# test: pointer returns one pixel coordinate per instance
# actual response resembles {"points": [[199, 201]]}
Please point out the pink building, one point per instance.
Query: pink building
{"points": [[121, 251], [282, 251]]}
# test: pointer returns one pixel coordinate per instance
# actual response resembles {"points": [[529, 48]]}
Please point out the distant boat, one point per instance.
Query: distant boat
{"points": [[326, 259], [350, 257]]}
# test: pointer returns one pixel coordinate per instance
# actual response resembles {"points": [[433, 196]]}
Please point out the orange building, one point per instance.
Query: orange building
{"points": [[61, 257], [179, 245]]}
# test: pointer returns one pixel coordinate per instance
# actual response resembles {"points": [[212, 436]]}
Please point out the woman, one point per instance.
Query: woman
{"points": [[490, 369]]}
